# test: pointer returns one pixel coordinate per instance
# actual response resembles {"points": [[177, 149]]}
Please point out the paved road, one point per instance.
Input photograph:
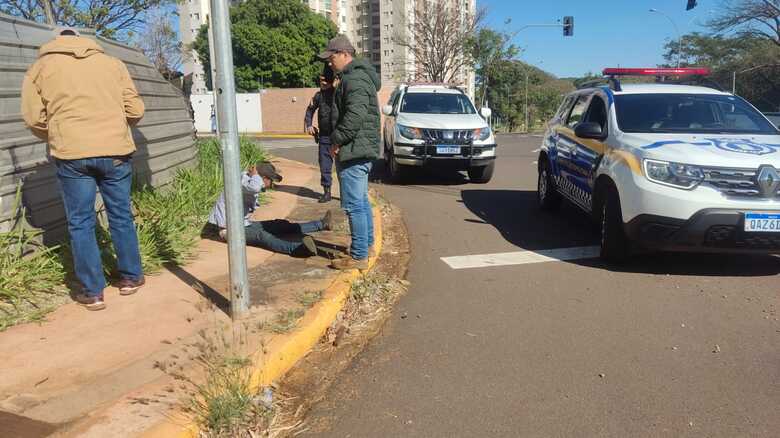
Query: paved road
{"points": [[671, 345]]}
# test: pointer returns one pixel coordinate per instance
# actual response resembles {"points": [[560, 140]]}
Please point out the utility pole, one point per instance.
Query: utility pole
{"points": [[225, 89], [47, 9]]}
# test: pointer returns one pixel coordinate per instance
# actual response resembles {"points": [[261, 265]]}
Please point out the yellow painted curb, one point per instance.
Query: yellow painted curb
{"points": [[284, 351]]}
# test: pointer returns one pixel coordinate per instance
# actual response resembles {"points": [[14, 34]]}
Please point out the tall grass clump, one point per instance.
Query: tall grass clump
{"points": [[169, 219], [31, 275]]}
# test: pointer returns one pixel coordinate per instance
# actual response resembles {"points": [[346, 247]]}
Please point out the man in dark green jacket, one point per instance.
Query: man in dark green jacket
{"points": [[355, 144]]}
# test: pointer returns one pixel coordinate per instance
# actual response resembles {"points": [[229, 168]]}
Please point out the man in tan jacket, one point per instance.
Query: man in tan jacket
{"points": [[83, 103]]}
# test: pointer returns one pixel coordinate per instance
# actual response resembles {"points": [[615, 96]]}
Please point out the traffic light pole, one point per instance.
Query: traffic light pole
{"points": [[225, 90]]}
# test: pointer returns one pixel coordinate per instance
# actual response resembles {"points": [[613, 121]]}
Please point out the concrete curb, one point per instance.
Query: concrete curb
{"points": [[284, 351]]}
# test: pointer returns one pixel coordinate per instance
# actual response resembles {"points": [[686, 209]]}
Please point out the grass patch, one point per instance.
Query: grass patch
{"points": [[286, 320], [31, 283], [223, 402], [309, 298], [373, 287]]}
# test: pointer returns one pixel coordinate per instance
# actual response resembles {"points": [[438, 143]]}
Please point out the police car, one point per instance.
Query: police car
{"points": [[664, 166]]}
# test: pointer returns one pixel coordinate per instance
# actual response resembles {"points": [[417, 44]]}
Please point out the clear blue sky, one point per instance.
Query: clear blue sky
{"points": [[607, 33]]}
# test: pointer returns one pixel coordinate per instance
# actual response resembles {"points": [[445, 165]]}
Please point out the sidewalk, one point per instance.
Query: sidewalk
{"points": [[99, 373]]}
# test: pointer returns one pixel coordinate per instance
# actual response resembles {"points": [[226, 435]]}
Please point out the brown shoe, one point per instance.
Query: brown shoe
{"points": [[310, 245], [347, 263], [91, 302], [327, 221], [129, 287]]}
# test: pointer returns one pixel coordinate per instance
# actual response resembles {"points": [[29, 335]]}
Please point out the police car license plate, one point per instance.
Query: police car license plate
{"points": [[447, 150], [762, 222]]}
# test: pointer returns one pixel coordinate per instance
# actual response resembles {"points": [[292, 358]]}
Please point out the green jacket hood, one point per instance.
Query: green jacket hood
{"points": [[77, 47], [360, 64]]}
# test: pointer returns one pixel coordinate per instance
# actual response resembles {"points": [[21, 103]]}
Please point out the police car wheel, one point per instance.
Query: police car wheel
{"points": [[615, 246], [546, 194]]}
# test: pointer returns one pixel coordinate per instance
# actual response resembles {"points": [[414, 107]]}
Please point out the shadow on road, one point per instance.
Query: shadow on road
{"points": [[515, 214]]}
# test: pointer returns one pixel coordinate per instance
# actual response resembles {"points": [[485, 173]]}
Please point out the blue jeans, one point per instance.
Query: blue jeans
{"points": [[79, 181], [326, 163], [353, 178], [264, 234]]}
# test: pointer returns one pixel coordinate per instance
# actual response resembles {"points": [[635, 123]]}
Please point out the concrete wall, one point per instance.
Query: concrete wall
{"points": [[284, 109], [164, 138], [248, 106]]}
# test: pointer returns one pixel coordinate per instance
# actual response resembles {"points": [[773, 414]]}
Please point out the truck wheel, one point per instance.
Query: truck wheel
{"points": [[546, 194], [398, 172], [615, 246], [482, 174]]}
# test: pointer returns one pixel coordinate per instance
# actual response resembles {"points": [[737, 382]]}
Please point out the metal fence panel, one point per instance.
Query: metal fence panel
{"points": [[164, 138]]}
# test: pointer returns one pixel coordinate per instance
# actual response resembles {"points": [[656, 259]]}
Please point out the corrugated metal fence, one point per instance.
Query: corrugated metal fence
{"points": [[164, 137]]}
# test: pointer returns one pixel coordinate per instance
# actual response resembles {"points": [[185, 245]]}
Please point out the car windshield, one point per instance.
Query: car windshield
{"points": [[774, 118], [690, 114], [436, 103]]}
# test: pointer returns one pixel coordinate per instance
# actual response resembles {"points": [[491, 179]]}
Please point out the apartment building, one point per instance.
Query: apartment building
{"points": [[373, 26], [376, 26]]}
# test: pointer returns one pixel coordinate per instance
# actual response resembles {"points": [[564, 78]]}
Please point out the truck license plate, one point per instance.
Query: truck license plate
{"points": [[762, 222], [447, 150]]}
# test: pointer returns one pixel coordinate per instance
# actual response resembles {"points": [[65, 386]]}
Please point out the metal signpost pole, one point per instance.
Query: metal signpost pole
{"points": [[225, 90]]}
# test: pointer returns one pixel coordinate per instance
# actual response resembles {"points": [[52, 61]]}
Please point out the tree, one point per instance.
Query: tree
{"points": [[160, 43], [727, 55], [489, 50], [507, 94], [440, 37], [750, 18], [275, 43], [116, 19]]}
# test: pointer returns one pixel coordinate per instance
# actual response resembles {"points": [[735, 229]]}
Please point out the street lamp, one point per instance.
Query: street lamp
{"points": [[677, 29]]}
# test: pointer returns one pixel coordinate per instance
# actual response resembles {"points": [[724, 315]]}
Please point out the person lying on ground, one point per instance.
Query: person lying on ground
{"points": [[265, 234]]}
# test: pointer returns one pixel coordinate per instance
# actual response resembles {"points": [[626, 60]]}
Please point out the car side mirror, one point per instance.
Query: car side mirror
{"points": [[387, 110], [486, 113], [589, 130]]}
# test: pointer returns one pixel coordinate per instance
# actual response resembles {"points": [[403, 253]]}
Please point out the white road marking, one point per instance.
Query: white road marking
{"points": [[521, 257]]}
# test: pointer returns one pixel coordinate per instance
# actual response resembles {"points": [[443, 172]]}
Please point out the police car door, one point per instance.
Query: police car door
{"points": [[570, 179], [589, 152]]}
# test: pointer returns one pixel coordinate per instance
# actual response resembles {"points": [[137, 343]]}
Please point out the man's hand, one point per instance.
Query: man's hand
{"points": [[252, 170], [312, 130], [334, 150]]}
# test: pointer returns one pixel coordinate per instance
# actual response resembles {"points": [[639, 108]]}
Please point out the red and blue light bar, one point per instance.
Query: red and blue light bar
{"points": [[690, 71]]}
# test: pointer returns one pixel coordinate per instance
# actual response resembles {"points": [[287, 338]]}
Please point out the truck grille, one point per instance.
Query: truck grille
{"points": [[448, 136], [738, 183]]}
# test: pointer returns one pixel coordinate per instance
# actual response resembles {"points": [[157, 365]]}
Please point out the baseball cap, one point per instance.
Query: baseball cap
{"points": [[268, 170], [335, 45], [66, 31]]}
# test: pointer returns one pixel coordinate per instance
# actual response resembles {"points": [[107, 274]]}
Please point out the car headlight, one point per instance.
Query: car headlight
{"points": [[482, 134], [410, 133], [683, 176]]}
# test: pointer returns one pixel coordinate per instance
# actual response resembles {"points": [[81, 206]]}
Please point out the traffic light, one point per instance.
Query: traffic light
{"points": [[691, 5], [568, 26]]}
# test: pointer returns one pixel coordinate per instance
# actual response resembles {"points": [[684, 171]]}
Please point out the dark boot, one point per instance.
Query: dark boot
{"points": [[325, 196]]}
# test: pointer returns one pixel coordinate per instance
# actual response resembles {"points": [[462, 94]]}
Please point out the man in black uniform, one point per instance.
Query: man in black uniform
{"points": [[322, 102]]}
